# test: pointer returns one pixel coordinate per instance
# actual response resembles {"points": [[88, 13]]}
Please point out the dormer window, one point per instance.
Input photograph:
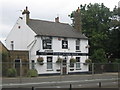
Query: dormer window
{"points": [[47, 42]]}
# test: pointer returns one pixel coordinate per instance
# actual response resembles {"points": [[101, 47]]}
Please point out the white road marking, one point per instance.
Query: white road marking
{"points": [[57, 86], [114, 82], [79, 85]]}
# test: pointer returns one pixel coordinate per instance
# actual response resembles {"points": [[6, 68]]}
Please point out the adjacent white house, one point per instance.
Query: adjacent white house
{"points": [[48, 41]]}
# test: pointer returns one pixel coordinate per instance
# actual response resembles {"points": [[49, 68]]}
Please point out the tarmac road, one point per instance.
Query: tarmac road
{"points": [[107, 80]]}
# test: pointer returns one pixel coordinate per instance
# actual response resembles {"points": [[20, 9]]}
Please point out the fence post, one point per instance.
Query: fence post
{"points": [[93, 70], [20, 72], [70, 87], [118, 75], [100, 84], [33, 88]]}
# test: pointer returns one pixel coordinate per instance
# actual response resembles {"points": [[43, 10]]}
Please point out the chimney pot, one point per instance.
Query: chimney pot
{"points": [[57, 19], [78, 10]]}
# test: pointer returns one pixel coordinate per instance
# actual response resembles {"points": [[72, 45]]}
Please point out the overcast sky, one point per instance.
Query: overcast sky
{"points": [[10, 10]]}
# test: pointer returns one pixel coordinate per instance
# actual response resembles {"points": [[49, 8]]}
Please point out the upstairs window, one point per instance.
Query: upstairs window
{"points": [[77, 44], [64, 44], [47, 43]]}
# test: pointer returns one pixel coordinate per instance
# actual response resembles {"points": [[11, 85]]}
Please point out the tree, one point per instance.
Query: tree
{"points": [[96, 20], [99, 56], [114, 35]]}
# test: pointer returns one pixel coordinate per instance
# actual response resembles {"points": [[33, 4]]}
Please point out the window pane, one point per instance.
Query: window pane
{"points": [[64, 44], [77, 65], [77, 48], [49, 63], [71, 64], [77, 44], [77, 59], [77, 62], [47, 43]]}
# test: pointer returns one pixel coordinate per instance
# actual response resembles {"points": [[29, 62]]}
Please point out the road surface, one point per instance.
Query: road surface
{"points": [[107, 80]]}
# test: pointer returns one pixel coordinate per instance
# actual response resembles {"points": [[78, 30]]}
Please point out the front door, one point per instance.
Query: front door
{"points": [[64, 67]]}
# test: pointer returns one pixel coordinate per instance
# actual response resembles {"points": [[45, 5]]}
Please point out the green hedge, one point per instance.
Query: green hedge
{"points": [[32, 73], [11, 72]]}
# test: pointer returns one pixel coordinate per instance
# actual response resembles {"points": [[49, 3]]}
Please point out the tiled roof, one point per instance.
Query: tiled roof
{"points": [[47, 28]]}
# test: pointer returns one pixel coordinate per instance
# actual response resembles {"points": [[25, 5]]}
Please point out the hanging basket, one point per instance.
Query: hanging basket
{"points": [[72, 60], [87, 61], [40, 60], [59, 60]]}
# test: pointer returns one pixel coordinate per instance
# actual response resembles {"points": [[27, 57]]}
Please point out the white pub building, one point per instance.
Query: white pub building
{"points": [[54, 47]]}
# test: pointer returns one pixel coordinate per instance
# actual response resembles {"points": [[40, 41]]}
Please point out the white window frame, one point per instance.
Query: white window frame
{"points": [[66, 44], [19, 62], [44, 42], [78, 64], [50, 63], [77, 43]]}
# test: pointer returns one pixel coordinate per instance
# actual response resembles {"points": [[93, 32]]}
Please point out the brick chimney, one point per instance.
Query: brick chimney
{"points": [[77, 20], [27, 14], [57, 19]]}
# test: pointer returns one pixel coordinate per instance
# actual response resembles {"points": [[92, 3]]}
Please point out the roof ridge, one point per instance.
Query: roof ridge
{"points": [[49, 21]]}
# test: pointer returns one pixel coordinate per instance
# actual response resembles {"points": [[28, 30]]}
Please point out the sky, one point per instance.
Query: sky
{"points": [[10, 11]]}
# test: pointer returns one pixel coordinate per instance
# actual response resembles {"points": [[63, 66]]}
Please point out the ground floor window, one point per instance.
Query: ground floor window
{"points": [[77, 62], [49, 63], [71, 64]]}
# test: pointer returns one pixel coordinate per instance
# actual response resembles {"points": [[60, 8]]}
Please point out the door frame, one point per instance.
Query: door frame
{"points": [[64, 67]]}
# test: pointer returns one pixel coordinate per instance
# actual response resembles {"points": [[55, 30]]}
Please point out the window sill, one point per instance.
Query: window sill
{"points": [[78, 69], [50, 70], [78, 51]]}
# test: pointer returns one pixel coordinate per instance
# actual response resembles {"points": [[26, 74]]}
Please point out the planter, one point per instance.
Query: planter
{"points": [[59, 60], [71, 69], [58, 70], [86, 63], [41, 63]]}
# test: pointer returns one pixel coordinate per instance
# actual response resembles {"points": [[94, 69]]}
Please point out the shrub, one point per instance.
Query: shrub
{"points": [[32, 73], [11, 72]]}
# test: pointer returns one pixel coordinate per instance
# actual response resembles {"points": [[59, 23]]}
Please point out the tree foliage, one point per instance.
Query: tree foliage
{"points": [[114, 35], [102, 27]]}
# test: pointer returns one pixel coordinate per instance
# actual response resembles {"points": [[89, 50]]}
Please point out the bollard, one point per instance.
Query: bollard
{"points": [[32, 88], [99, 84], [70, 87]]}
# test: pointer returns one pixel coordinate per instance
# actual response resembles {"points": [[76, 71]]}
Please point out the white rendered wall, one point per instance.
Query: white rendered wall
{"points": [[57, 47], [22, 36]]}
